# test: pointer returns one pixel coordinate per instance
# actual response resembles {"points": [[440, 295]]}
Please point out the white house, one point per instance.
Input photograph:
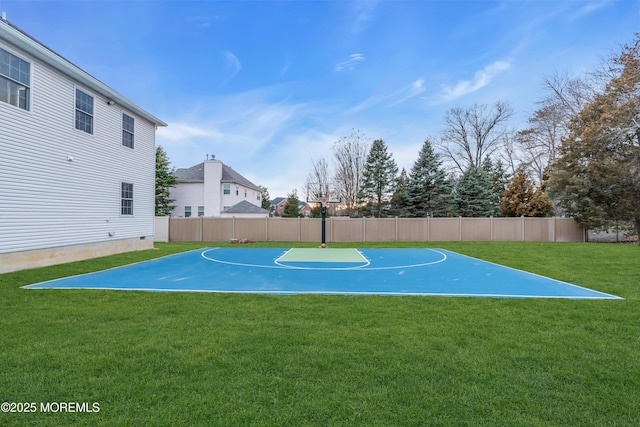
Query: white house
{"points": [[77, 160], [213, 189]]}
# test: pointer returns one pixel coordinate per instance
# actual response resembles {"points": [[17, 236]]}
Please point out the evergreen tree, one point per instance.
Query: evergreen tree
{"points": [[378, 176], [429, 190], [265, 199], [497, 181], [399, 205], [165, 179], [291, 207], [473, 195], [521, 198]]}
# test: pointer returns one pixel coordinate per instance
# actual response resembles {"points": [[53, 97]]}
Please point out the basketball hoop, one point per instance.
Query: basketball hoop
{"points": [[323, 193]]}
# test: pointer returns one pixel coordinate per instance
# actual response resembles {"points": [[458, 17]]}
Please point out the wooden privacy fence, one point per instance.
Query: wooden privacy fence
{"points": [[206, 229]]}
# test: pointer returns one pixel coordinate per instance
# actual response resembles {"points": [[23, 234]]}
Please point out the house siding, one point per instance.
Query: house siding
{"points": [[188, 195], [210, 193], [48, 200]]}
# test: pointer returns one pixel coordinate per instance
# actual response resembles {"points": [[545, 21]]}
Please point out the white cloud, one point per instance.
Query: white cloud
{"points": [[591, 7], [349, 64], [363, 14], [399, 96], [182, 131], [233, 64], [481, 79]]}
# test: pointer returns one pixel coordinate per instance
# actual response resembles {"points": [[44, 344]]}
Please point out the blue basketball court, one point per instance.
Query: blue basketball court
{"points": [[326, 271]]}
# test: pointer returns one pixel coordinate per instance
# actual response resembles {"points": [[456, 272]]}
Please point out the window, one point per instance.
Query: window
{"points": [[84, 111], [245, 193], [187, 211], [127, 199], [200, 210], [237, 191], [15, 74], [227, 188], [127, 131]]}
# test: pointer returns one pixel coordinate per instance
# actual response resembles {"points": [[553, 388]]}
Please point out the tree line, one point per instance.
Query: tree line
{"points": [[579, 156]]}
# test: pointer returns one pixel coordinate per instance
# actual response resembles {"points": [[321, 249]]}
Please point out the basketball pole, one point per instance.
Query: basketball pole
{"points": [[323, 210]]}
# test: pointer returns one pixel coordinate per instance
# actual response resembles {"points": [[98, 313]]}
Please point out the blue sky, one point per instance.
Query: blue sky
{"points": [[269, 86]]}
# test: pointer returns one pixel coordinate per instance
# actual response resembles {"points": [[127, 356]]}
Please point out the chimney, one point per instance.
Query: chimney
{"points": [[4, 16]]}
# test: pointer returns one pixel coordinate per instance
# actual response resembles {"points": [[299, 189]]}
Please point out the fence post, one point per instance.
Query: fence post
{"points": [[491, 228], [396, 228], [460, 228], [553, 226], [522, 226], [429, 228], [266, 228], [233, 227], [201, 226], [331, 229], [364, 228]]}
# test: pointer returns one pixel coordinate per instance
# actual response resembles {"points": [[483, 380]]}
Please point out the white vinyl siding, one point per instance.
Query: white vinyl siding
{"points": [[58, 188]]}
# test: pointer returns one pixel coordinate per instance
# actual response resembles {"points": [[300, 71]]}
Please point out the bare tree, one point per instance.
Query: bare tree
{"points": [[541, 141], [474, 133], [350, 157], [571, 94], [318, 180]]}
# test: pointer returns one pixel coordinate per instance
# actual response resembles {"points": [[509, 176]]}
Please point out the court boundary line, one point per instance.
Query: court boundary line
{"points": [[108, 269], [345, 293], [601, 295], [611, 296]]}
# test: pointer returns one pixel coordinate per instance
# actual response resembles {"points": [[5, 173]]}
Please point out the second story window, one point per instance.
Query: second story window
{"points": [[226, 188], [15, 74], [84, 111], [127, 130]]}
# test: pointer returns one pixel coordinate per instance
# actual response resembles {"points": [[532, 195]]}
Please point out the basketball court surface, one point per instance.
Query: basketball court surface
{"points": [[426, 272]]}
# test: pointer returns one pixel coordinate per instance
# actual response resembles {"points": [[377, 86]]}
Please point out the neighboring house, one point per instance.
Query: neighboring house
{"points": [[211, 189], [77, 160], [277, 207], [245, 209]]}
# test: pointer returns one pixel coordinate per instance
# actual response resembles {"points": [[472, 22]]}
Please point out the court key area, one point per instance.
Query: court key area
{"points": [[426, 272]]}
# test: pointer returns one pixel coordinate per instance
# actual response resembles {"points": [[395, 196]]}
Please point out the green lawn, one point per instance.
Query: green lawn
{"points": [[233, 359]]}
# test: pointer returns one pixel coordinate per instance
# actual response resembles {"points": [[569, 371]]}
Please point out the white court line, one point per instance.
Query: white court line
{"points": [[363, 267], [381, 293]]}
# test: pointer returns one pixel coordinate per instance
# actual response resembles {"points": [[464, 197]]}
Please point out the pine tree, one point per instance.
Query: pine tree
{"points": [[378, 176], [165, 179], [399, 205], [522, 198], [291, 207], [428, 192], [265, 200], [498, 179], [473, 195]]}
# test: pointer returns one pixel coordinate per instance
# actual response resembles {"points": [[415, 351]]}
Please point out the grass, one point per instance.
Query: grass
{"points": [[307, 360]]}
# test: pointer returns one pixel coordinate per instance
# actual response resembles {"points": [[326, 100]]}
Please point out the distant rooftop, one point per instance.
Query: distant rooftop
{"points": [[245, 207], [195, 174]]}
